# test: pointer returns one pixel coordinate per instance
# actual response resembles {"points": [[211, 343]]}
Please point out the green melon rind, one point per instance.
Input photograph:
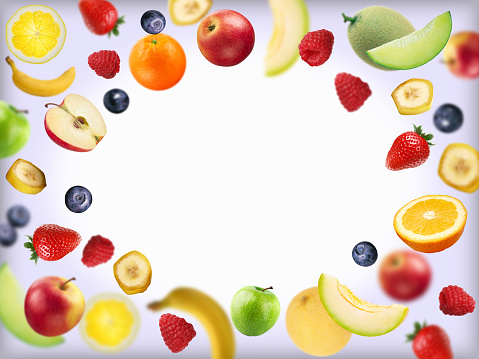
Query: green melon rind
{"points": [[12, 313], [353, 319], [428, 42], [299, 23]]}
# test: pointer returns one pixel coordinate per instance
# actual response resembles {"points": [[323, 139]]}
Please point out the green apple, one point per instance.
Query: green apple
{"points": [[417, 48], [12, 313], [355, 314], [14, 130], [254, 310], [290, 24]]}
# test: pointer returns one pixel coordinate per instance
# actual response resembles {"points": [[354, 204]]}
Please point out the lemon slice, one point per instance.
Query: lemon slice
{"points": [[35, 34], [110, 323], [187, 12]]}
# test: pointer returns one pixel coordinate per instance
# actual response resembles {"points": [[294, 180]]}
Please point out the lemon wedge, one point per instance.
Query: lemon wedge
{"points": [[110, 323], [35, 34]]}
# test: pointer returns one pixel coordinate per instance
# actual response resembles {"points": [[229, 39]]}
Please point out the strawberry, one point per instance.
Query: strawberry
{"points": [[51, 242], [316, 47], [409, 150], [430, 342], [351, 90], [100, 17]]}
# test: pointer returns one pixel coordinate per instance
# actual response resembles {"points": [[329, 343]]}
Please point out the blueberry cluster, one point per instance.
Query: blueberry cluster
{"points": [[18, 216]]}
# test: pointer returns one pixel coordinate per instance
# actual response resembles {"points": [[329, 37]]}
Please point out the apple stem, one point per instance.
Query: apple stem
{"points": [[21, 111], [64, 284], [211, 27], [51, 103], [266, 289], [77, 122]]}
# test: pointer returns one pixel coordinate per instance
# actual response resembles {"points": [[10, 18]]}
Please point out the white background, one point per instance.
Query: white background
{"points": [[231, 178]]}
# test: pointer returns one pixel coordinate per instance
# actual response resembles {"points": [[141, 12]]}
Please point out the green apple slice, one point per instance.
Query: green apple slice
{"points": [[290, 24], [417, 48], [12, 314], [356, 315]]}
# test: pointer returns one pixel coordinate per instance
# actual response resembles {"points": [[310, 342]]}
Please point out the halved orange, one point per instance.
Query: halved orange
{"points": [[431, 223]]}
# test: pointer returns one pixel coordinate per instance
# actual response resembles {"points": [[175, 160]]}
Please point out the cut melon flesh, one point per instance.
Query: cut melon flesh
{"points": [[290, 24], [417, 48], [12, 312], [355, 314]]}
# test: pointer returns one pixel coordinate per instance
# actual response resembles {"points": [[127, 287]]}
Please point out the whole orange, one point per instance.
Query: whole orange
{"points": [[157, 62]]}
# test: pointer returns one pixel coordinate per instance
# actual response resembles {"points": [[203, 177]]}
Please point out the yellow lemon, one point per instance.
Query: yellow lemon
{"points": [[110, 323], [35, 34]]}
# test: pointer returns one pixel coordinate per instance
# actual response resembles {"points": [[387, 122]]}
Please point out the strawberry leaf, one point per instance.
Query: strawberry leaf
{"points": [[427, 137], [115, 31], [29, 245], [417, 326]]}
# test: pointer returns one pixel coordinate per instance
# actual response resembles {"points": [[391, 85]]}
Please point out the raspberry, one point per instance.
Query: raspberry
{"points": [[98, 250], [454, 300], [316, 46], [176, 332], [352, 92], [106, 63]]}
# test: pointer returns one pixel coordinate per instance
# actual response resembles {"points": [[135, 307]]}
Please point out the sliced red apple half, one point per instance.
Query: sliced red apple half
{"points": [[75, 124], [355, 314]]}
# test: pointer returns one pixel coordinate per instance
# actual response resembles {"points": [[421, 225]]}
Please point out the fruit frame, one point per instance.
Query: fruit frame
{"points": [[223, 177]]}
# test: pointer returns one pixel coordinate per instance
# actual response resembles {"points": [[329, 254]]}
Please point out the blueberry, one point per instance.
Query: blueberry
{"points": [[18, 216], [8, 234], [153, 22], [365, 254], [116, 101], [448, 118], [78, 199]]}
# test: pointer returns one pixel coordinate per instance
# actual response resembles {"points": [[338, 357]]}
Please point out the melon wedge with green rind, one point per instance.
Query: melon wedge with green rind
{"points": [[12, 313], [290, 24], [417, 48], [356, 315]]}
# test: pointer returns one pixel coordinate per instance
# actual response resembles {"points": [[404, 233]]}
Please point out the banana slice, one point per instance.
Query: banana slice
{"points": [[187, 12], [133, 272], [459, 167], [25, 177], [413, 96]]}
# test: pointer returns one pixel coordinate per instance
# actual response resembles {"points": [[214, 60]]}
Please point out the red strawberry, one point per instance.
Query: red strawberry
{"points": [[98, 250], [100, 17], [105, 63], [51, 242], [316, 46], [409, 150], [454, 300], [430, 342], [351, 90], [176, 332]]}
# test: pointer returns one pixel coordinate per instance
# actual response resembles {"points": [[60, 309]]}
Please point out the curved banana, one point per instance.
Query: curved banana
{"points": [[43, 88], [208, 311]]}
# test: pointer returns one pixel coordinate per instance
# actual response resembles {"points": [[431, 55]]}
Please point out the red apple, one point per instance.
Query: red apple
{"points": [[75, 124], [461, 54], [53, 305], [404, 274], [225, 37]]}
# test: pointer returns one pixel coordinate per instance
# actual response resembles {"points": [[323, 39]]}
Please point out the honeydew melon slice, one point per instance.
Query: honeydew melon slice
{"points": [[355, 314], [12, 313], [290, 24], [417, 48]]}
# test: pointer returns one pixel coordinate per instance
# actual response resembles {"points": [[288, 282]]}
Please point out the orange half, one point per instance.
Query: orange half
{"points": [[431, 223]]}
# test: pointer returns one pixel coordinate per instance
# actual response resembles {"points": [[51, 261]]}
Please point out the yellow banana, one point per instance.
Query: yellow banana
{"points": [[43, 88], [210, 314]]}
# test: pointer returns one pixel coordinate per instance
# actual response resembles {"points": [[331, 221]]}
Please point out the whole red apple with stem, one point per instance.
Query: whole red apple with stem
{"points": [[225, 37], [404, 274], [53, 305], [461, 54], [75, 124]]}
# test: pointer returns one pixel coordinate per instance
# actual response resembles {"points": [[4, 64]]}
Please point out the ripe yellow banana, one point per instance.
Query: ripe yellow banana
{"points": [[43, 88], [208, 311]]}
